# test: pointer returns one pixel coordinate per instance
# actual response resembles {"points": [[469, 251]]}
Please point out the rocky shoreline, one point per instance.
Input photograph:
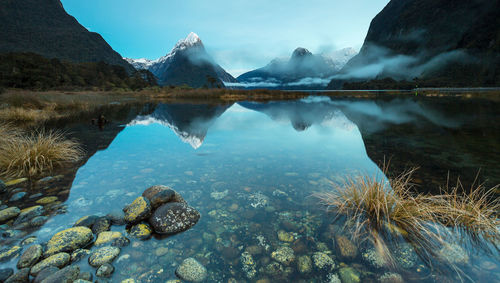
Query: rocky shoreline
{"points": [[160, 210]]}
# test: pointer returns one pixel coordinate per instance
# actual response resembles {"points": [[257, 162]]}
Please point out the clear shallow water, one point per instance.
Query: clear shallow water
{"points": [[250, 169]]}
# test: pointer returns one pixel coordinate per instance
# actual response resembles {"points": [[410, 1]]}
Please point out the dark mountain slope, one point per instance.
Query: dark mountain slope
{"points": [[442, 42], [44, 27], [188, 63]]}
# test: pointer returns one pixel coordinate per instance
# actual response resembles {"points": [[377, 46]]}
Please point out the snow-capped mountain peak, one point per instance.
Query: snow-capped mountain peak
{"points": [[191, 40], [140, 64]]}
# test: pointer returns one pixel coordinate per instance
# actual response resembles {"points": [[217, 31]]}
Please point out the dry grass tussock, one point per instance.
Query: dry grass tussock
{"points": [[34, 154], [26, 115], [382, 211]]}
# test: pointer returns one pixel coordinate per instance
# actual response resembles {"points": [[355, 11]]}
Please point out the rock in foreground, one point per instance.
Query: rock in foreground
{"points": [[191, 270], [69, 240], [138, 210], [173, 218]]}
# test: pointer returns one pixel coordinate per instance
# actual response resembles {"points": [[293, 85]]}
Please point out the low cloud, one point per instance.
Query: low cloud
{"points": [[310, 82], [377, 62], [275, 83]]}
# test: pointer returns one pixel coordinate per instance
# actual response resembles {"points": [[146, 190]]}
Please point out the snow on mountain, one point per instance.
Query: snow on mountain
{"points": [[340, 57], [187, 63], [140, 64]]}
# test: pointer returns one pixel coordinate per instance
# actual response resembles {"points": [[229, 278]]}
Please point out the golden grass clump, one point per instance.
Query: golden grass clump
{"points": [[35, 154], [25, 115], [473, 211], [379, 210]]}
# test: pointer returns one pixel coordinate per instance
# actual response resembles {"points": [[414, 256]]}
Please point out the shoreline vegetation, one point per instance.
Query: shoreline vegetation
{"points": [[36, 153], [388, 213]]}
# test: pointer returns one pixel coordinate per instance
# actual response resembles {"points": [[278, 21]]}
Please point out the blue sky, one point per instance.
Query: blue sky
{"points": [[240, 35]]}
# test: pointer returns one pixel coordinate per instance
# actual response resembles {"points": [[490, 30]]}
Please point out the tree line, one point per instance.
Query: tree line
{"points": [[35, 72]]}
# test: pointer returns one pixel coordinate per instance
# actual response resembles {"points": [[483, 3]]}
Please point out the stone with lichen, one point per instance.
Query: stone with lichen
{"points": [[69, 240], [138, 210]]}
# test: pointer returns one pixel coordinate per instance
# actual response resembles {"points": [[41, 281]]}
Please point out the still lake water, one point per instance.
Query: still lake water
{"points": [[250, 169]]}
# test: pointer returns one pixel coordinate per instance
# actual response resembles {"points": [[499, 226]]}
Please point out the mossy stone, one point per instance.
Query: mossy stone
{"points": [[103, 255], [69, 240], [138, 210], [30, 256], [58, 260]]}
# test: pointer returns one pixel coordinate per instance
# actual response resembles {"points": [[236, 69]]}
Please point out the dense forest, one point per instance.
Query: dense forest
{"points": [[35, 72]]}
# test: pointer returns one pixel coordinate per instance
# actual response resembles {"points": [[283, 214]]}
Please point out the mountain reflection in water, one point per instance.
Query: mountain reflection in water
{"points": [[250, 169]]}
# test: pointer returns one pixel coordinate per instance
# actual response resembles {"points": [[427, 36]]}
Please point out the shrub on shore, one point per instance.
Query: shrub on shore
{"points": [[34, 154]]}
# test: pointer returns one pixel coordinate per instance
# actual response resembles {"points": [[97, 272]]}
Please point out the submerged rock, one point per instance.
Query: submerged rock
{"points": [[38, 221], [100, 225], [69, 240], [274, 269], [406, 256], [374, 258], [454, 253], [333, 278], [141, 231], [46, 272], [349, 275], [285, 236], [304, 264], [15, 182], [138, 210], [9, 213], [65, 275], [30, 256], [17, 196], [8, 253], [173, 218], [79, 254], [105, 270], [29, 213], [391, 277], [111, 238], [323, 261], [345, 247], [103, 255], [248, 265], [87, 276], [21, 276], [6, 272], [117, 217], [191, 270], [219, 195], [86, 221], [283, 255], [47, 200], [58, 260], [159, 195]]}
